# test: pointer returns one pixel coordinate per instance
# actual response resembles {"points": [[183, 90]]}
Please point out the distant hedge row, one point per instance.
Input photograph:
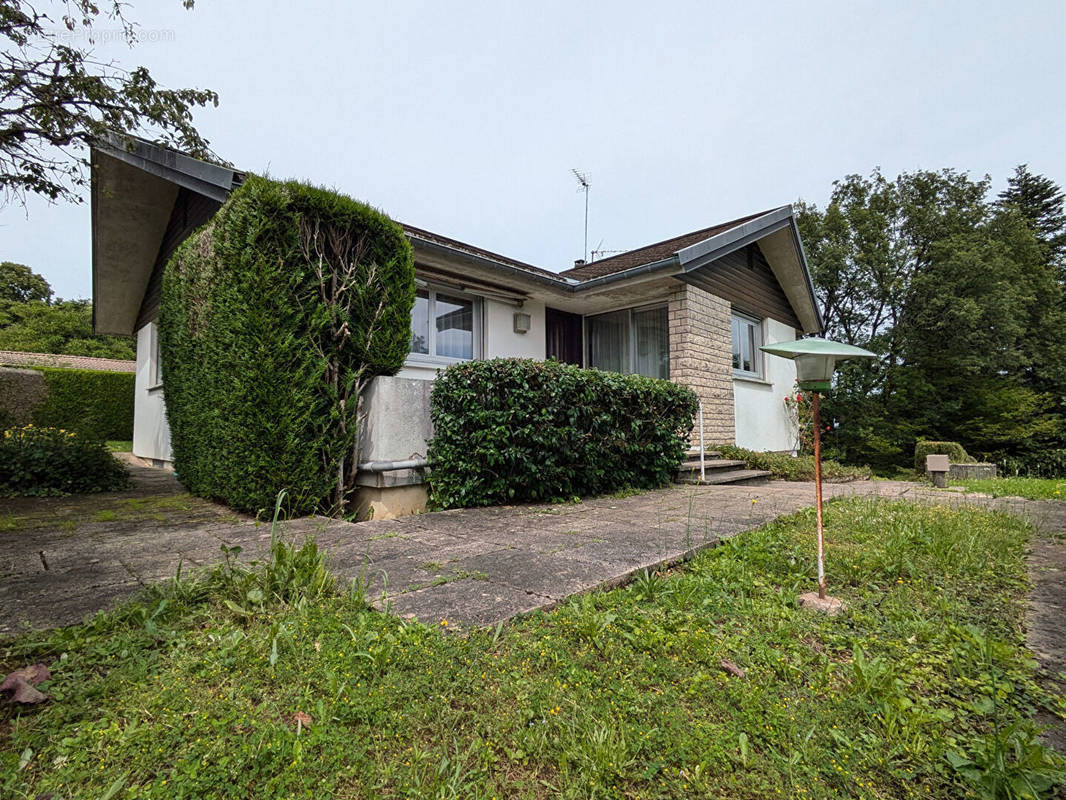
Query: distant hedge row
{"points": [[516, 430], [273, 318], [97, 405]]}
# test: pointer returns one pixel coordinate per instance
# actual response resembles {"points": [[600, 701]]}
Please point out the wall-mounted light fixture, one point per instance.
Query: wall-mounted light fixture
{"points": [[522, 321]]}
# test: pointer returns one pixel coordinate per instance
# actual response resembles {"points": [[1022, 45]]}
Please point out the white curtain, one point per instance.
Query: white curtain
{"points": [[609, 341], [653, 343], [631, 341]]}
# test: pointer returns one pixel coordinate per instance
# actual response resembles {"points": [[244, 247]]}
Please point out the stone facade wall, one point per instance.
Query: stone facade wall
{"points": [[701, 357]]}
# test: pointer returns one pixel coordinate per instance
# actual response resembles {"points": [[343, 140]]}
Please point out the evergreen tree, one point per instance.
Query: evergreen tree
{"points": [[1041, 202]]}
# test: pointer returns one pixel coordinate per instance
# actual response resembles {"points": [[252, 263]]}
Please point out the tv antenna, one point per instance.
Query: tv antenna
{"points": [[583, 179]]}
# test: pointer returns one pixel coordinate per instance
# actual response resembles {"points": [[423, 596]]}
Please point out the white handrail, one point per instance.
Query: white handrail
{"points": [[703, 473]]}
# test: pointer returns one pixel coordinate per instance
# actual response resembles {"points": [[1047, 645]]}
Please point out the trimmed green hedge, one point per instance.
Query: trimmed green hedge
{"points": [[273, 318], [98, 405], [953, 450], [517, 431]]}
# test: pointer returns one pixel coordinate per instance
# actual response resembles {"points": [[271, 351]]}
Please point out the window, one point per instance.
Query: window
{"points": [[155, 364], [444, 325], [747, 339], [632, 340]]}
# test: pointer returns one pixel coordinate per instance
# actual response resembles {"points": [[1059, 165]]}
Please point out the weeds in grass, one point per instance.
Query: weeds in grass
{"points": [[1029, 488], [649, 586]]}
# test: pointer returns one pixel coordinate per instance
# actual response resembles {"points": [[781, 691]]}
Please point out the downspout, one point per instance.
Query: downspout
{"points": [[390, 466]]}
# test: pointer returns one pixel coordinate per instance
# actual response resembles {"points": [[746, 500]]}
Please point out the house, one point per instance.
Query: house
{"points": [[693, 309]]}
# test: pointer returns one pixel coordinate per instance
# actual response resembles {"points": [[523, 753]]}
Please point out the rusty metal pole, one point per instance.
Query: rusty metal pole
{"points": [[817, 409]]}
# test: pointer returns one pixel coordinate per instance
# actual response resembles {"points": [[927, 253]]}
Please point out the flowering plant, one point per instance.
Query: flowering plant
{"points": [[800, 414]]}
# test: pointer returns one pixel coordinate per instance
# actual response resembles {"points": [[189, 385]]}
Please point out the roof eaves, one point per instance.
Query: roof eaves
{"points": [[696, 255], [210, 180], [668, 266], [798, 240], [542, 277]]}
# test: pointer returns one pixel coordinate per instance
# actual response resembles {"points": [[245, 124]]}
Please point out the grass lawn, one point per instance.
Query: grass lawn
{"points": [[116, 446], [263, 684], [1030, 488]]}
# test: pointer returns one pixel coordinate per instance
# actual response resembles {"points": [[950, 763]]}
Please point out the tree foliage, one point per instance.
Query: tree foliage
{"points": [[1040, 202], [960, 297], [56, 98], [32, 322], [63, 327], [20, 284]]}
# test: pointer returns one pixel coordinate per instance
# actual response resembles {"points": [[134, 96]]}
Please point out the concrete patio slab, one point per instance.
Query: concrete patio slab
{"points": [[63, 558]]}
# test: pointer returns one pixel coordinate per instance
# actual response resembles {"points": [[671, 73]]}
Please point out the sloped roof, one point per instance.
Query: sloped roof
{"points": [[651, 253], [12, 358], [454, 244]]}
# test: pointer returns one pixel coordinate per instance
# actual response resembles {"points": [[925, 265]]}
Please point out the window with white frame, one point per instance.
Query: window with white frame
{"points": [[747, 339], [635, 340], [445, 325], [155, 363]]}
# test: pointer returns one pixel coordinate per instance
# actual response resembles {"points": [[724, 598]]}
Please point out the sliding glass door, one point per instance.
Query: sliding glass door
{"points": [[631, 340]]}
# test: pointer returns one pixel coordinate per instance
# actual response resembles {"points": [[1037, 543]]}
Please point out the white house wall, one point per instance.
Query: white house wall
{"points": [[151, 434], [759, 406], [501, 341]]}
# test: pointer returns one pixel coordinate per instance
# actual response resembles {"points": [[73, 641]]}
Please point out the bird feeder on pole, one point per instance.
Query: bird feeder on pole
{"points": [[815, 363]]}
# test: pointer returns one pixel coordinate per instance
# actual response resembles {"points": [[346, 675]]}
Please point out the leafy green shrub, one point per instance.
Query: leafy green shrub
{"points": [[515, 430], [953, 450], [793, 468], [274, 317], [98, 405], [51, 461]]}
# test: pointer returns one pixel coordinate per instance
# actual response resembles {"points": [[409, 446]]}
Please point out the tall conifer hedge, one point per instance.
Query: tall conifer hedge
{"points": [[273, 318]]}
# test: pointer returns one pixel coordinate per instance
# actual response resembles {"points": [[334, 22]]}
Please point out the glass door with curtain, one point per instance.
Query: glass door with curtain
{"points": [[631, 340]]}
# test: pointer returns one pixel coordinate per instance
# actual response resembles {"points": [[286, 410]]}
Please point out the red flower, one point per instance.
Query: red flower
{"points": [[799, 397]]}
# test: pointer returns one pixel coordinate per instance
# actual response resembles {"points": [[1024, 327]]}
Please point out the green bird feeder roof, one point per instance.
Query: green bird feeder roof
{"points": [[815, 359], [816, 347]]}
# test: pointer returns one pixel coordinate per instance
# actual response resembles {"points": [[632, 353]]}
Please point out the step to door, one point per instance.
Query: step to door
{"points": [[718, 477], [711, 463]]}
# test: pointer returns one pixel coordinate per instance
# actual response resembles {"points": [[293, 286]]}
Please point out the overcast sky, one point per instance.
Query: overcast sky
{"points": [[466, 118]]}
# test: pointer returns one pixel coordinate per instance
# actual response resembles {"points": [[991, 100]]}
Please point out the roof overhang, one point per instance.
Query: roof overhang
{"points": [[134, 186], [778, 238]]}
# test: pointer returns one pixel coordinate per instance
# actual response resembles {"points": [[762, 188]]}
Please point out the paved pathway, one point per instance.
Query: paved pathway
{"points": [[471, 567]]}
